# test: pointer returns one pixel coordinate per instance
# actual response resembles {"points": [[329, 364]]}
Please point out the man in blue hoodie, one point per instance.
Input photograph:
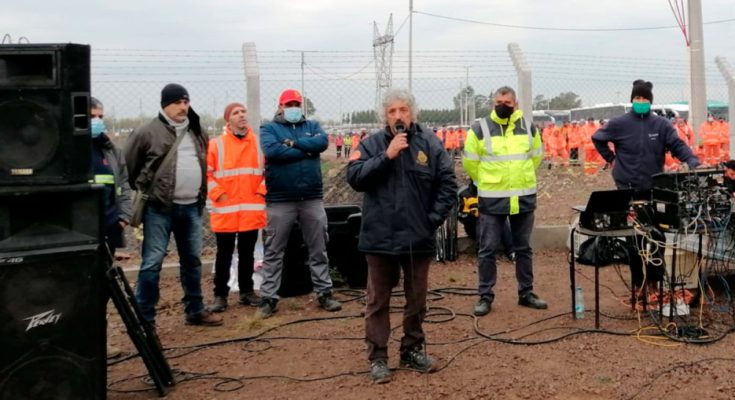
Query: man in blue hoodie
{"points": [[293, 179], [641, 140]]}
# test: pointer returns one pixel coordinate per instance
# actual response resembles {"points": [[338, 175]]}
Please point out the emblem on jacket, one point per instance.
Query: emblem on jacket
{"points": [[653, 135], [422, 159]]}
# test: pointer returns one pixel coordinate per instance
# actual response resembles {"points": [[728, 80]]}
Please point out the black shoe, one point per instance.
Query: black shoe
{"points": [[512, 256], [532, 301], [327, 302], [380, 372], [483, 307], [267, 307], [416, 359], [249, 299], [204, 319], [219, 305]]}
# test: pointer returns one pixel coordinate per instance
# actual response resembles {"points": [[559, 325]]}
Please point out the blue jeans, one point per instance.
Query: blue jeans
{"points": [[185, 221], [489, 230]]}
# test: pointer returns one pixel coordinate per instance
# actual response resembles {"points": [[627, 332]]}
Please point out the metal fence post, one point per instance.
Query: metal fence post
{"points": [[525, 82], [729, 74], [252, 81]]}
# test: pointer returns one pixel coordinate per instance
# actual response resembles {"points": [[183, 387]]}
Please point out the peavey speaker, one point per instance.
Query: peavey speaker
{"points": [[52, 324], [47, 217], [44, 114]]}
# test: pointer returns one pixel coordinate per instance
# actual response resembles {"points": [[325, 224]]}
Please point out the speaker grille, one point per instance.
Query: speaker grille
{"points": [[52, 324], [29, 136]]}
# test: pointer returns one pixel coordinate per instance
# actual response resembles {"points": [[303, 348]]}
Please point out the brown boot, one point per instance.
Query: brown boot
{"points": [[204, 319]]}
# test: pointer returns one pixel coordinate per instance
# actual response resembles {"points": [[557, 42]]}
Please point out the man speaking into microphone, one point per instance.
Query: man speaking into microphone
{"points": [[409, 185]]}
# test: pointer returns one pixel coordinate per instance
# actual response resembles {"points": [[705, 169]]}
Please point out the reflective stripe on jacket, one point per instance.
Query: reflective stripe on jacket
{"points": [[235, 169], [501, 157]]}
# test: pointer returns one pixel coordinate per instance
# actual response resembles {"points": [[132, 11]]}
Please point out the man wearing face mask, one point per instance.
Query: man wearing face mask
{"points": [[111, 171], [501, 156], [641, 140], [409, 189], [293, 179]]}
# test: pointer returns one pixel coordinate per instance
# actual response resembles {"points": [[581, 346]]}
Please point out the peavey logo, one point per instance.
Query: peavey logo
{"points": [[44, 318]]}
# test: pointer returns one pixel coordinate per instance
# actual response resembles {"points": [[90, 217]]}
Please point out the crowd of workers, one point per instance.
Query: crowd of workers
{"points": [[452, 139], [564, 145]]}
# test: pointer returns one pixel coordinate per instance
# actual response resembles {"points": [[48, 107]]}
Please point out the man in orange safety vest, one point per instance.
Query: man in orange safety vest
{"points": [[236, 194]]}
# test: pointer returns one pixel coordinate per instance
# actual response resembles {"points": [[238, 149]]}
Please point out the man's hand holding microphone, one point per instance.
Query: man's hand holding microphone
{"points": [[399, 141]]}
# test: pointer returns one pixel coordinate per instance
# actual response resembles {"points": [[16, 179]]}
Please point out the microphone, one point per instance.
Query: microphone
{"points": [[400, 127]]}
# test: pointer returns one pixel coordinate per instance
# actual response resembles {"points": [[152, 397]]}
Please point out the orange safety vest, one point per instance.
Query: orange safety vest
{"points": [[710, 133], [355, 141], [450, 140], [235, 168], [685, 133], [587, 131], [461, 137]]}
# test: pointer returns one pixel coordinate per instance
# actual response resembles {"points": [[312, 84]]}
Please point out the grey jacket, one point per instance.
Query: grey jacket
{"points": [[145, 150]]}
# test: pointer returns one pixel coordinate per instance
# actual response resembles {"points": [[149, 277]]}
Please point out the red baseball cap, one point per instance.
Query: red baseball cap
{"points": [[288, 96]]}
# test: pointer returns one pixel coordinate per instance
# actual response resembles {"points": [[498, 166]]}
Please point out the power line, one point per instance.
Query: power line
{"points": [[544, 28]]}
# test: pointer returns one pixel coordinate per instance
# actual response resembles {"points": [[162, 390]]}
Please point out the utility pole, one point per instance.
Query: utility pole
{"points": [[252, 82], [729, 74], [525, 97], [303, 91], [410, 46], [698, 94], [303, 103]]}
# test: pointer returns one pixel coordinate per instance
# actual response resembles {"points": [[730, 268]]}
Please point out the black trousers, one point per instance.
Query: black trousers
{"points": [[225, 248]]}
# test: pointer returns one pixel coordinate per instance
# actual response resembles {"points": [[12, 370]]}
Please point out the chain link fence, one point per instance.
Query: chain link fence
{"points": [[342, 88]]}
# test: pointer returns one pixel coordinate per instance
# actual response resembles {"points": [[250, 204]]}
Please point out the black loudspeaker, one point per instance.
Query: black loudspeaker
{"points": [[52, 324], [44, 114], [48, 217], [295, 275], [344, 230]]}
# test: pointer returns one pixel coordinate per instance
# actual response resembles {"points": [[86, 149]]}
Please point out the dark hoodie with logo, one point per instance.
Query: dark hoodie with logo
{"points": [[406, 198], [641, 142]]}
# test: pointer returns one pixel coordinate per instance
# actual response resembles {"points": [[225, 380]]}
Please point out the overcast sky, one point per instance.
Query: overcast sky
{"points": [[338, 25], [347, 25]]}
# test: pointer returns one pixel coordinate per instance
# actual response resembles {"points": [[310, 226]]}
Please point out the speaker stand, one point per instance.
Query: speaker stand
{"points": [[140, 331]]}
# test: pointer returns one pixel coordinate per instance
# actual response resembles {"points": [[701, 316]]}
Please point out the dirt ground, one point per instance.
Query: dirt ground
{"points": [[512, 353]]}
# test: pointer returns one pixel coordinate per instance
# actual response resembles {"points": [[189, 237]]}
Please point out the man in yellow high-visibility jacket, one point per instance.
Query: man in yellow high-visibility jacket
{"points": [[501, 155]]}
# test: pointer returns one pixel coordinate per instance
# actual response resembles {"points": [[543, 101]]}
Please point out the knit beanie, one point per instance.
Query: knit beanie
{"points": [[229, 108], [172, 93], [643, 89]]}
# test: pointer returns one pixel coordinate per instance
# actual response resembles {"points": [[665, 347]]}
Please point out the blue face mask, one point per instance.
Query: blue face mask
{"points": [[292, 114], [97, 126], [641, 107]]}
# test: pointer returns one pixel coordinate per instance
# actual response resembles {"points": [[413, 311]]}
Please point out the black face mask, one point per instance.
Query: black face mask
{"points": [[503, 111]]}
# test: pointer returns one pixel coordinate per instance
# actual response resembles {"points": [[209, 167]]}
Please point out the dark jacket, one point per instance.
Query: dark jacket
{"points": [[120, 204], [292, 173], [406, 198], [123, 194], [640, 143], [147, 147]]}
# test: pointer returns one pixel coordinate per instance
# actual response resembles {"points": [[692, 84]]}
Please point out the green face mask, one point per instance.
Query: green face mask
{"points": [[641, 107]]}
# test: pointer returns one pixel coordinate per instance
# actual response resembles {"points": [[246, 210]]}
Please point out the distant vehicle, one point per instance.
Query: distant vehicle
{"points": [[610, 110], [542, 117]]}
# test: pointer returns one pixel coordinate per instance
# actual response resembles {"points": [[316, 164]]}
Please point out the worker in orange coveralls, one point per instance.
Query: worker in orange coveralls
{"points": [[710, 134], [592, 159]]}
